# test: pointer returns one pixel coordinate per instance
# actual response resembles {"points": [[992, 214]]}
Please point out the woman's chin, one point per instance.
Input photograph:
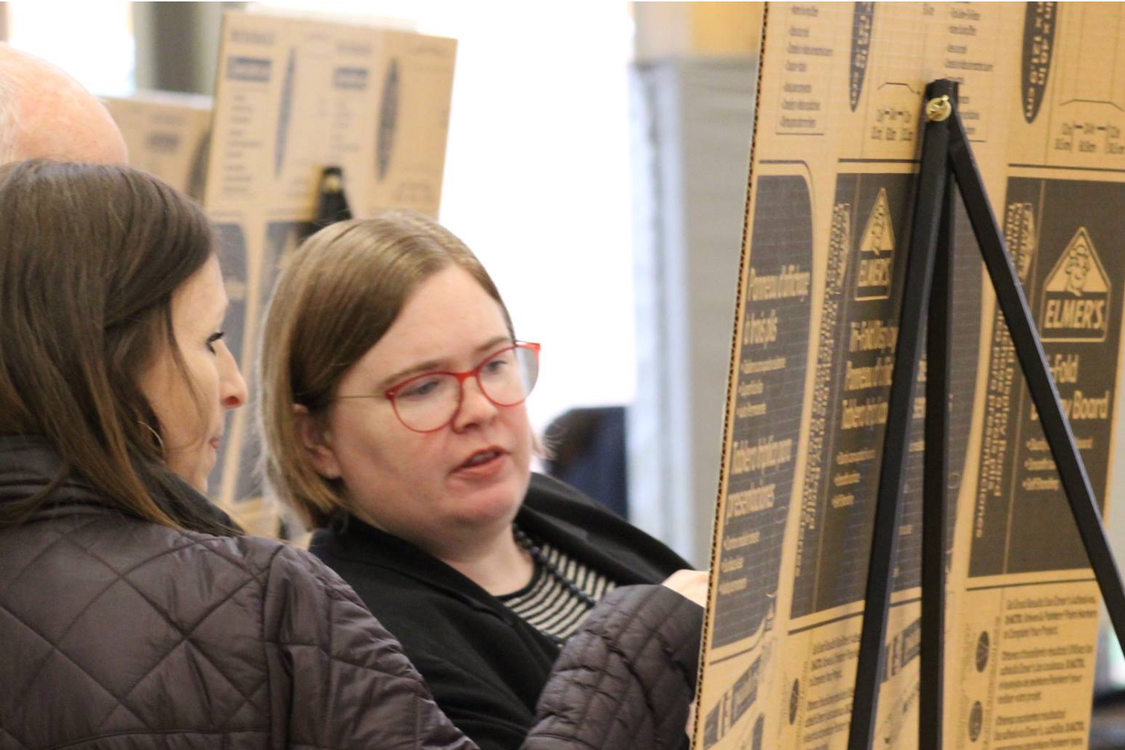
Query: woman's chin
{"points": [[491, 506], [499, 491], [196, 476], [194, 465], [197, 480]]}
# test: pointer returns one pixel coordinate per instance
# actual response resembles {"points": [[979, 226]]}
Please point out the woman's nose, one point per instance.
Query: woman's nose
{"points": [[475, 407], [233, 392]]}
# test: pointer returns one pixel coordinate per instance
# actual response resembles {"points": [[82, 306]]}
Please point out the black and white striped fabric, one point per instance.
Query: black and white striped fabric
{"points": [[547, 604]]}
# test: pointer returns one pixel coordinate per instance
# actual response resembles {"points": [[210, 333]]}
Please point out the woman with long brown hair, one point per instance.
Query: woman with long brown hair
{"points": [[133, 613]]}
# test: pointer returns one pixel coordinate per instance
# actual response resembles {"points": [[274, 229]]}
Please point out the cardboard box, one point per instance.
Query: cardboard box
{"points": [[168, 135]]}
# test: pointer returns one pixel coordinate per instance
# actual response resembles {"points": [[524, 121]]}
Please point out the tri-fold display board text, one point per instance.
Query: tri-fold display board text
{"points": [[833, 180]]}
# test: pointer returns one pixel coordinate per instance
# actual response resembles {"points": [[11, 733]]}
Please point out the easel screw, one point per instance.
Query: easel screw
{"points": [[333, 184], [938, 108]]}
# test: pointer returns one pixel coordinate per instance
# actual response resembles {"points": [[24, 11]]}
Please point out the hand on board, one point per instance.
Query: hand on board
{"points": [[691, 584]]}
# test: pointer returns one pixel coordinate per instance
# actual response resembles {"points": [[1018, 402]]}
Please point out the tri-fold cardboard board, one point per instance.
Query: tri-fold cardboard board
{"points": [[833, 173]]}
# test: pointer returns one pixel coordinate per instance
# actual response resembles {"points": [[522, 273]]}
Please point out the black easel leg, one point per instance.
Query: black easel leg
{"points": [[931, 194], [1033, 360], [934, 486]]}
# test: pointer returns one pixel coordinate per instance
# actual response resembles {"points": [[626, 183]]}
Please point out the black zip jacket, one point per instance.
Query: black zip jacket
{"points": [[485, 666]]}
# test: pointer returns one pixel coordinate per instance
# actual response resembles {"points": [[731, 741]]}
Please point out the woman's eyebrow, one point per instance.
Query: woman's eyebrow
{"points": [[436, 364], [492, 344], [401, 375]]}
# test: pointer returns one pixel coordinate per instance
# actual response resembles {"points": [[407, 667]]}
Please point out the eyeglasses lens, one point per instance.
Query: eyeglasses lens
{"points": [[506, 378]]}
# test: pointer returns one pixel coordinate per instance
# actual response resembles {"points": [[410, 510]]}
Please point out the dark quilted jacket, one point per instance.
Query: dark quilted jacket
{"points": [[118, 633]]}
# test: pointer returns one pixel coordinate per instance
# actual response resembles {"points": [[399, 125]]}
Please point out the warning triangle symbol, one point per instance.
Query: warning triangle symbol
{"points": [[1079, 271], [878, 233]]}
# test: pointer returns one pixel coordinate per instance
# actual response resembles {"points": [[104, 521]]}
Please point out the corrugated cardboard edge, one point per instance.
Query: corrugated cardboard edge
{"points": [[732, 387]]}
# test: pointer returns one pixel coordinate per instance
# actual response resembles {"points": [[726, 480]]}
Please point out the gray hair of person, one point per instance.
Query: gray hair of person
{"points": [[335, 298]]}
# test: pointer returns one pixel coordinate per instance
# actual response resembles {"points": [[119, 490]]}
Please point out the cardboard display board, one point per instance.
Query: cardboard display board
{"points": [[833, 170], [168, 135], [294, 96]]}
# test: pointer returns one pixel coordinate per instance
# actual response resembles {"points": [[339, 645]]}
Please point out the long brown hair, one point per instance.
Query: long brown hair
{"points": [[334, 300], [89, 259]]}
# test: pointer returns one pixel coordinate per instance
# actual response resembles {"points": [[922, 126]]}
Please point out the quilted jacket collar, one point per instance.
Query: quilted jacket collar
{"points": [[28, 464]]}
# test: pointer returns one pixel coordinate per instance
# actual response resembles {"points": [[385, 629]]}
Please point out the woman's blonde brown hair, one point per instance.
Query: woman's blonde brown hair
{"points": [[335, 298], [90, 257]]}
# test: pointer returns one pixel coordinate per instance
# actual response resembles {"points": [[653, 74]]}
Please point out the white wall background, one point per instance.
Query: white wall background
{"points": [[94, 44], [537, 166]]}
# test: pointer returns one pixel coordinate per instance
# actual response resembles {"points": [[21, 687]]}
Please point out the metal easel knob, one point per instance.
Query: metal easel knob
{"points": [[938, 109]]}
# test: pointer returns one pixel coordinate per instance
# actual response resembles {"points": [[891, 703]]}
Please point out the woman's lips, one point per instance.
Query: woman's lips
{"points": [[484, 463]]}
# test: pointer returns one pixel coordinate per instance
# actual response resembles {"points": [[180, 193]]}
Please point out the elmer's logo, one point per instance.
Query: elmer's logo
{"points": [[876, 252], [1076, 295]]}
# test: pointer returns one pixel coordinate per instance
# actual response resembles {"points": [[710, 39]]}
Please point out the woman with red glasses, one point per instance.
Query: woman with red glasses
{"points": [[393, 391]]}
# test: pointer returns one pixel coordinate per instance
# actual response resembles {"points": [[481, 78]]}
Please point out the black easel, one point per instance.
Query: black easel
{"points": [[945, 155]]}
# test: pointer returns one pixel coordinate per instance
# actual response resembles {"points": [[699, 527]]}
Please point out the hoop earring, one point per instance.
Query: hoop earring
{"points": [[154, 433]]}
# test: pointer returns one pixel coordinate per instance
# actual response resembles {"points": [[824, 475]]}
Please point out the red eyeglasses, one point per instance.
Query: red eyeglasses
{"points": [[430, 401]]}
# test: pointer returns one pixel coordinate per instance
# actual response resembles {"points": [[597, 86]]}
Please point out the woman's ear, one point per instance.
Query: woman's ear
{"points": [[317, 442]]}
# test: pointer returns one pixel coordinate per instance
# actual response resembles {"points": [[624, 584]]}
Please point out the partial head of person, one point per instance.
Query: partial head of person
{"points": [[44, 113], [111, 350], [393, 386]]}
